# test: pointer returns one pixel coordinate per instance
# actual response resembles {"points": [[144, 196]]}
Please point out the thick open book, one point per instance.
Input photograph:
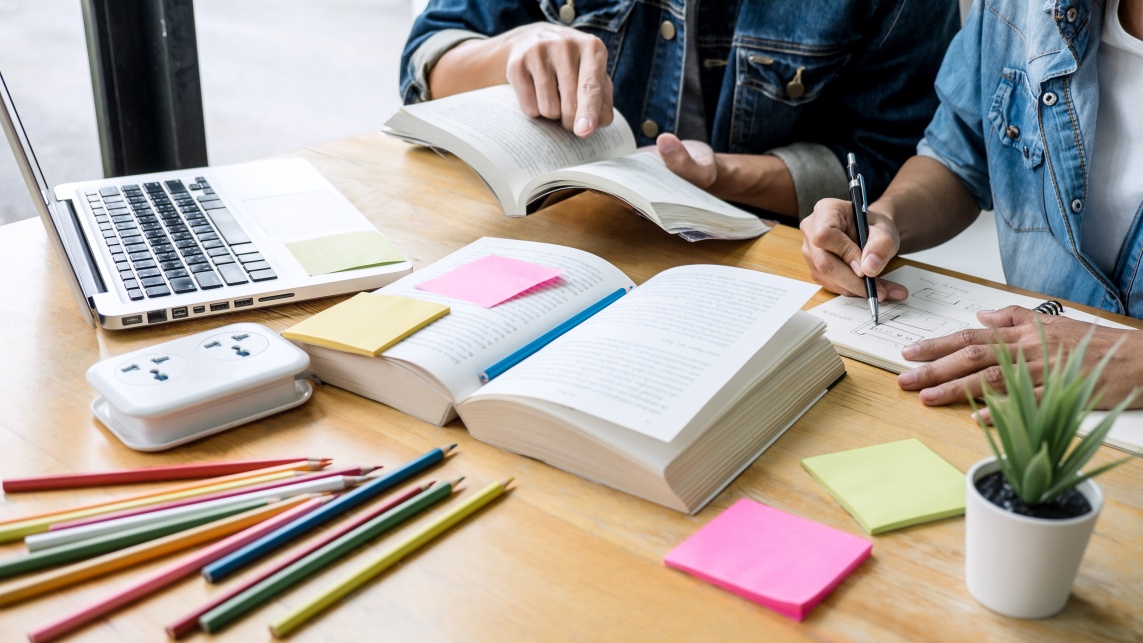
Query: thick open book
{"points": [[667, 393], [939, 305], [523, 160]]}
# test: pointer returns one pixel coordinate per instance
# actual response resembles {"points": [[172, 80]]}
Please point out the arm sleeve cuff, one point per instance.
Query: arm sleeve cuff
{"points": [[817, 174], [430, 52]]}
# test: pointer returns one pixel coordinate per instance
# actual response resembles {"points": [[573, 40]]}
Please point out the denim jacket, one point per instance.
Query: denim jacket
{"points": [[849, 75], [1019, 96]]}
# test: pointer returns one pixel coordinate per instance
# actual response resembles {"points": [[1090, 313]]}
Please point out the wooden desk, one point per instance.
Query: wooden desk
{"points": [[560, 558]]}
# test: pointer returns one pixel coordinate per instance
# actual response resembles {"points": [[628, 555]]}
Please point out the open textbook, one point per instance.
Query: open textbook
{"points": [[523, 160], [667, 393], [939, 305]]}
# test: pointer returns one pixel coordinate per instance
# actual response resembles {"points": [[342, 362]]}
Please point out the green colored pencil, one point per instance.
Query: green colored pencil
{"points": [[247, 601], [126, 538]]}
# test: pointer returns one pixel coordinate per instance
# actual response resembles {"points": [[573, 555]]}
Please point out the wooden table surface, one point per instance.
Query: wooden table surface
{"points": [[559, 558]]}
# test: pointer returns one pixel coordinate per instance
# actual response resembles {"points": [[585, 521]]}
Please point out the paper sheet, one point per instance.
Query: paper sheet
{"points": [[890, 486], [490, 280], [773, 558], [347, 251], [367, 323]]}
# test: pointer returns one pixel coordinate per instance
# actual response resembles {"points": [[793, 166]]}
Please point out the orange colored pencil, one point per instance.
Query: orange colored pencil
{"points": [[160, 473]]}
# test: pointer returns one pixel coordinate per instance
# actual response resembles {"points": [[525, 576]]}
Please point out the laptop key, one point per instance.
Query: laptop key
{"points": [[213, 205], [153, 281], [251, 258], [217, 252], [158, 291], [175, 186], [255, 266], [208, 197], [263, 275], [194, 260], [149, 272], [201, 267], [175, 274], [130, 284], [171, 265], [135, 294], [135, 247], [212, 243], [126, 274], [152, 187], [232, 274], [110, 191], [183, 284], [221, 259], [202, 229], [191, 251], [208, 279], [144, 264], [207, 236], [243, 248], [139, 256]]}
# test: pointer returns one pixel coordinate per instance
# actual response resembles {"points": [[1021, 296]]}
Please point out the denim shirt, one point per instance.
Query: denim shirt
{"points": [[851, 75], [1019, 97]]}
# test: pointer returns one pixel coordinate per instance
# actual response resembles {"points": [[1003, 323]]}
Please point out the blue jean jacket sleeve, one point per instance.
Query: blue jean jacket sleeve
{"points": [[955, 136], [488, 18]]}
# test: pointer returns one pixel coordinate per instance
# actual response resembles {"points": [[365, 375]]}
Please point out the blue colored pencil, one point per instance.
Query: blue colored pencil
{"points": [[236, 560], [498, 368]]}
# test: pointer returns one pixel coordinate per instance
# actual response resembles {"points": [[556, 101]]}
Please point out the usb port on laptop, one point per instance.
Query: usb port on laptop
{"points": [[222, 305], [179, 313], [242, 303]]}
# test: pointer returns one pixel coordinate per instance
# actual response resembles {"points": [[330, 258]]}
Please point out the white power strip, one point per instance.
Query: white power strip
{"points": [[188, 388]]}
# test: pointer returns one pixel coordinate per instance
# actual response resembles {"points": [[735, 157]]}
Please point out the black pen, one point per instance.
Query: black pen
{"points": [[860, 207]]}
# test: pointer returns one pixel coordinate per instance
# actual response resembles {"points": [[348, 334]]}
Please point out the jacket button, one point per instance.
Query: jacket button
{"points": [[650, 128], [667, 30], [1077, 205], [1026, 152], [567, 12], [1071, 14], [1012, 132], [1049, 98]]}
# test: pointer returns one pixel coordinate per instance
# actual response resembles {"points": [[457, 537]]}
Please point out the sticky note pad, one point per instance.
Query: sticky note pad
{"points": [[490, 280], [347, 251], [892, 485], [786, 563], [367, 323]]}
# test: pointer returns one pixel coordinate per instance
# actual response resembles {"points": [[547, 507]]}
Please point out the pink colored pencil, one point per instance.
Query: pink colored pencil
{"points": [[143, 474], [170, 574], [123, 513], [189, 622]]}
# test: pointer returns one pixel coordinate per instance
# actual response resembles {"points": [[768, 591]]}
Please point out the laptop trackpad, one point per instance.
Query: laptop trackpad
{"points": [[303, 215]]}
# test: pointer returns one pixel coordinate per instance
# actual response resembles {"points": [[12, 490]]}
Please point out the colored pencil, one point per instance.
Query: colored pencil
{"points": [[108, 563], [161, 473], [123, 513], [38, 525], [231, 563], [169, 574], [311, 608], [37, 542], [189, 622], [110, 542], [230, 611]]}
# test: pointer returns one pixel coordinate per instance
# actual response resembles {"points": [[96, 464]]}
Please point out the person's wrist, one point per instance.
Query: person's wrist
{"points": [[759, 180]]}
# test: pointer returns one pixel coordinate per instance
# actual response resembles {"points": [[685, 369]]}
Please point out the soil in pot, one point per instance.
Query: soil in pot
{"points": [[996, 489]]}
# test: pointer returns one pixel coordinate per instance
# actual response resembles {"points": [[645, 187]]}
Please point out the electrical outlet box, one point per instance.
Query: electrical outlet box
{"points": [[188, 388]]}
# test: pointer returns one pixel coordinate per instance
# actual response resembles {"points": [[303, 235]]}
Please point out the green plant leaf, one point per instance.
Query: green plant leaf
{"points": [[1037, 477], [1063, 485]]}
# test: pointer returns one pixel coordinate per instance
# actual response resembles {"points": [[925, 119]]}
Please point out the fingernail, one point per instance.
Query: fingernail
{"points": [[898, 293], [582, 125], [910, 351], [669, 145], [856, 268], [872, 265], [977, 416], [907, 378], [929, 395]]}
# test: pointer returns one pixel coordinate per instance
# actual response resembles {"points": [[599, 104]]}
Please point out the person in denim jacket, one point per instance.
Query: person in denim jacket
{"points": [[756, 101], [1021, 89]]}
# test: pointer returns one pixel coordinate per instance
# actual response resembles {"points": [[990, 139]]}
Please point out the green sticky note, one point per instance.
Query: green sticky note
{"points": [[892, 485], [367, 323], [347, 251]]}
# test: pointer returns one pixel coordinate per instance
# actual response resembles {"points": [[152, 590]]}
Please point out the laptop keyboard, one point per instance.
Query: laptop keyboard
{"points": [[169, 238]]}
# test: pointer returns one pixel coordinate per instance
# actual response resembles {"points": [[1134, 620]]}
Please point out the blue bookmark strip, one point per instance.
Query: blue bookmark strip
{"points": [[498, 368]]}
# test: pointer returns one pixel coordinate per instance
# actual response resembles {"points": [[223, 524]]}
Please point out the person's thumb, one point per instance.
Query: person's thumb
{"points": [[880, 247], [675, 155]]}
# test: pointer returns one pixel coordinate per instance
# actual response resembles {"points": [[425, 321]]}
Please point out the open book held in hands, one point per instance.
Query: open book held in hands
{"points": [[523, 160], [667, 393]]}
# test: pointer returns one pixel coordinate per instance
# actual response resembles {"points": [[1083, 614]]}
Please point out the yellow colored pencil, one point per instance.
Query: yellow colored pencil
{"points": [[41, 524], [295, 619], [123, 558]]}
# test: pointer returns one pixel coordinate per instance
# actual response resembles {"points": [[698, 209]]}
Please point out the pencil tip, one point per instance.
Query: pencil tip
{"points": [[457, 481], [428, 484], [508, 481], [449, 447]]}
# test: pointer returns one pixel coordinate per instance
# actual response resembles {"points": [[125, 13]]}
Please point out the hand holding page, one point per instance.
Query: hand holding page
{"points": [[347, 251], [775, 559], [490, 280], [366, 324], [890, 486]]}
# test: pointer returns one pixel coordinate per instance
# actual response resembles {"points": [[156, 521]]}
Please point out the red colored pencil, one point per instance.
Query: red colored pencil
{"points": [[170, 574], [144, 474], [189, 622], [171, 504]]}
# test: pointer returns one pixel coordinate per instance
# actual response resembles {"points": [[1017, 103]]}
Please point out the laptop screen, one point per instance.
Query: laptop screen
{"points": [[52, 213]]}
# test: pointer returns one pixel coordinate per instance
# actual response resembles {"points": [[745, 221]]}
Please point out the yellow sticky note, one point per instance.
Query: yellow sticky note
{"points": [[367, 323], [346, 251], [891, 485]]}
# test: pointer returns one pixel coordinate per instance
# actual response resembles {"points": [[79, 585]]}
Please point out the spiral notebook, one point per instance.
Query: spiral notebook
{"points": [[939, 305]]}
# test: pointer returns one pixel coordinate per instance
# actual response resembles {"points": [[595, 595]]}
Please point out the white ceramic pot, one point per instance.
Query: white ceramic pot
{"points": [[1020, 566]]}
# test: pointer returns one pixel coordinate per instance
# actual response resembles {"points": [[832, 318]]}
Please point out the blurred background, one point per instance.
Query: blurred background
{"points": [[277, 75]]}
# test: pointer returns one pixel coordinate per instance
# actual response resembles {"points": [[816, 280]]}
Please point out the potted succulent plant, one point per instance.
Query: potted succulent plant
{"points": [[1029, 510]]}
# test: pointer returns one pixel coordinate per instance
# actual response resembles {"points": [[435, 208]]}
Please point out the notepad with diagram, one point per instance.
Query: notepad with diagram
{"points": [[667, 393], [939, 305]]}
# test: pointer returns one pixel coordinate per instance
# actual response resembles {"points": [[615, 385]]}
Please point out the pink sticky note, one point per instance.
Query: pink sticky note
{"points": [[783, 562], [491, 280]]}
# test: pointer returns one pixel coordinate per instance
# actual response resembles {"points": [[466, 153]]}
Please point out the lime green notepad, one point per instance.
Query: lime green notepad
{"points": [[367, 323], [347, 251], [892, 485]]}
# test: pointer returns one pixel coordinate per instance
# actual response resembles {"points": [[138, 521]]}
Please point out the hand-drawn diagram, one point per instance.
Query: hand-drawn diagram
{"points": [[902, 324], [950, 299]]}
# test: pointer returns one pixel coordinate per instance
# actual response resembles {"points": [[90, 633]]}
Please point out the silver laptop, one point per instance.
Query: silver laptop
{"points": [[163, 247]]}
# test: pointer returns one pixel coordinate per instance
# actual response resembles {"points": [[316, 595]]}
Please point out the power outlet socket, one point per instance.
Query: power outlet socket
{"points": [[194, 386]]}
